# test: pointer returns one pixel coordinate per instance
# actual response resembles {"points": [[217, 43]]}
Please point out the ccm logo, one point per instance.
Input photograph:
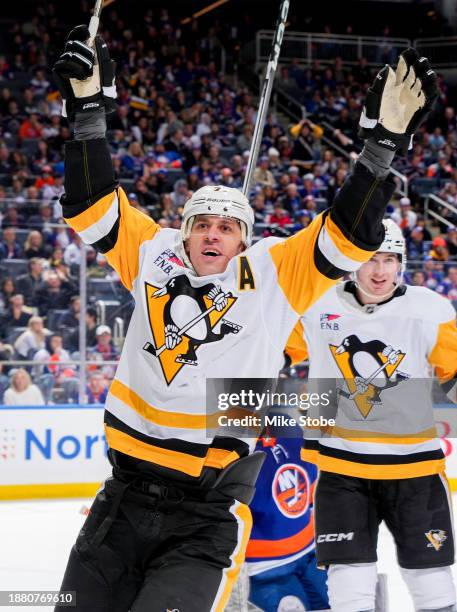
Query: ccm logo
{"points": [[334, 537]]}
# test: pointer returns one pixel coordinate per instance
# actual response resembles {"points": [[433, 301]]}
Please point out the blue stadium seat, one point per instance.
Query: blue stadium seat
{"points": [[101, 288], [14, 267]]}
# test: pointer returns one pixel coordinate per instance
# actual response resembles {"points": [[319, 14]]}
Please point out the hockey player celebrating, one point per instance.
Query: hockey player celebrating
{"points": [[383, 459], [170, 528]]}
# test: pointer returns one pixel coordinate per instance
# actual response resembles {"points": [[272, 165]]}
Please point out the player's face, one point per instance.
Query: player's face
{"points": [[379, 276], [212, 243]]}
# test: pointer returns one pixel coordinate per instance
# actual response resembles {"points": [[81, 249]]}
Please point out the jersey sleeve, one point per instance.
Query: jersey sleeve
{"points": [[443, 354], [99, 211], [336, 242], [296, 349]]}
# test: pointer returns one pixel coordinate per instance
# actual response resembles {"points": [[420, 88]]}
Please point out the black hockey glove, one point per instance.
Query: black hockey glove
{"points": [[398, 102], [85, 75]]}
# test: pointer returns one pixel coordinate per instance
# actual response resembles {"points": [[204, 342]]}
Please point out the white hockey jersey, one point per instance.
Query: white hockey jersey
{"points": [[381, 358], [155, 410]]}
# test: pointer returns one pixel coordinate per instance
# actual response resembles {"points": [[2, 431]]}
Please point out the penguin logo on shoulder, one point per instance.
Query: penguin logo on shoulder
{"points": [[368, 368], [182, 318]]}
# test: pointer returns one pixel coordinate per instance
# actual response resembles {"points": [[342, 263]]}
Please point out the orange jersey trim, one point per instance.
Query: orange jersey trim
{"points": [[286, 546]]}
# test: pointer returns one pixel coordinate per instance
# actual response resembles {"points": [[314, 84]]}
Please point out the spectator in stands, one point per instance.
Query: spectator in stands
{"points": [[279, 216], [32, 339], [292, 201], [303, 219], [31, 127], [17, 315], [71, 317], [258, 203], [43, 221], [421, 223], [415, 243], [262, 175], [448, 287], [22, 391], [53, 293], [418, 279], [8, 289], [52, 354], [97, 388], [306, 147], [27, 284], [91, 326], [104, 345], [451, 241], [12, 217], [9, 246], [439, 251], [34, 246], [405, 217], [72, 253]]}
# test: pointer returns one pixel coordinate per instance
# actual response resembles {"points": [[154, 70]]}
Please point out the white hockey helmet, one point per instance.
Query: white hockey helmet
{"points": [[394, 242], [223, 202]]}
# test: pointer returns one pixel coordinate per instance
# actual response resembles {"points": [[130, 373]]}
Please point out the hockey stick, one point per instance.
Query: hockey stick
{"points": [[265, 96], [156, 352], [95, 22]]}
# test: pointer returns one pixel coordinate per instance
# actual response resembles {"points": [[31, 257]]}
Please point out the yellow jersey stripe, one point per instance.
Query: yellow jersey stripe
{"points": [[93, 214], [347, 248], [382, 472], [174, 460]]}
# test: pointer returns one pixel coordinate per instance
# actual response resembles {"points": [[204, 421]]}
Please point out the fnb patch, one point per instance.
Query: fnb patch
{"points": [[328, 321], [166, 259]]}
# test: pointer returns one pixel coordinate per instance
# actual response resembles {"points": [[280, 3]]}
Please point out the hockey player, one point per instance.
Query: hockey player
{"points": [[170, 528], [383, 460], [281, 552]]}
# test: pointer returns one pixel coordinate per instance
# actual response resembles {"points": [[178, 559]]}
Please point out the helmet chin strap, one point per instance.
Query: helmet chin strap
{"points": [[372, 295]]}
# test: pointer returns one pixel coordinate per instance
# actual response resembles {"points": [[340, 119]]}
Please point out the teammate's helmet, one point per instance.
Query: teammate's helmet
{"points": [[394, 242], [223, 202]]}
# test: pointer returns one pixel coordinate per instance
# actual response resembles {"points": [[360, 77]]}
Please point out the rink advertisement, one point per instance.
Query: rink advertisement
{"points": [[51, 451], [60, 451]]}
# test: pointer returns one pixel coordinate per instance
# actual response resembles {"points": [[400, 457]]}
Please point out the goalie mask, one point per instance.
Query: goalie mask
{"points": [[222, 202], [394, 242]]}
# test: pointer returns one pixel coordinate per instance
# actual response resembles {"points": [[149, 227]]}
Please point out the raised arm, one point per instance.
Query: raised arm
{"points": [[94, 205], [347, 235]]}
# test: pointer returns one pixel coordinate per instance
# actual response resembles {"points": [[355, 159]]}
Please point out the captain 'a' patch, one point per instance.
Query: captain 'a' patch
{"points": [[368, 368], [182, 318]]}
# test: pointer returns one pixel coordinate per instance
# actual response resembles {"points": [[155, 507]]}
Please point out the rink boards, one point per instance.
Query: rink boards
{"points": [[60, 451]]}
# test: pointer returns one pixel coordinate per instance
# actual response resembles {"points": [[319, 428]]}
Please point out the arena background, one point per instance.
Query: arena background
{"points": [[188, 92]]}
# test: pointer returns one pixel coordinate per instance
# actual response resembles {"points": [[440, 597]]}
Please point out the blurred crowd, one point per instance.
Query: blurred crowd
{"points": [[181, 123]]}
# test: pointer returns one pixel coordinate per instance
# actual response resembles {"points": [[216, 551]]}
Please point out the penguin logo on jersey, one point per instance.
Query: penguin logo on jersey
{"points": [[368, 369], [182, 318], [436, 538], [291, 490]]}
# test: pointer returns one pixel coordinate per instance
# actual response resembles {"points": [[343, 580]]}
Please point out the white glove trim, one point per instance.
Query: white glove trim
{"points": [[365, 122]]}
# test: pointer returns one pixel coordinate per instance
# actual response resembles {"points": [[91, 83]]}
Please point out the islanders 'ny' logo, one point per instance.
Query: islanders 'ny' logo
{"points": [[291, 490], [182, 318], [368, 368]]}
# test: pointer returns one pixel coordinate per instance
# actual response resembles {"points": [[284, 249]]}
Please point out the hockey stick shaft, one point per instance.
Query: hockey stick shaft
{"points": [[95, 21], [265, 95]]}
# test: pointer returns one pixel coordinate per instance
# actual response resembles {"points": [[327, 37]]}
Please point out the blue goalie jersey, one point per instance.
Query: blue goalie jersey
{"points": [[282, 508]]}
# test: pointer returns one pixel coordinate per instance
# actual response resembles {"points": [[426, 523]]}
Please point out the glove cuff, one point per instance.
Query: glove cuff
{"points": [[386, 139]]}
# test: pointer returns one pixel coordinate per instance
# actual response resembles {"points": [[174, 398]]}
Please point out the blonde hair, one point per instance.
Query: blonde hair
{"points": [[21, 371]]}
